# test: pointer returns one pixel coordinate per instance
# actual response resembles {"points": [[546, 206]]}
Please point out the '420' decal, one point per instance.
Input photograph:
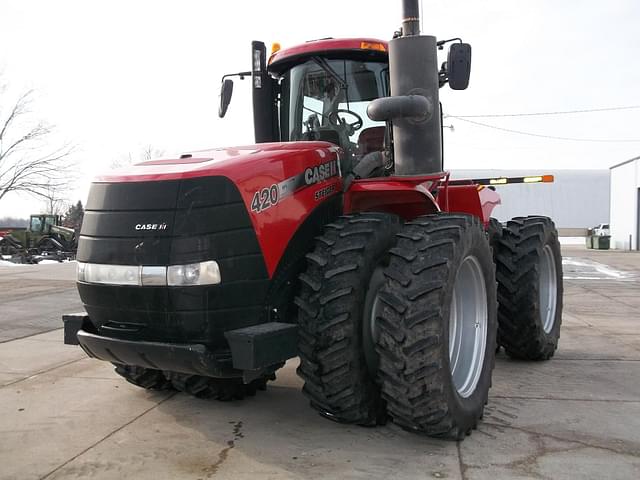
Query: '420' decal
{"points": [[265, 198]]}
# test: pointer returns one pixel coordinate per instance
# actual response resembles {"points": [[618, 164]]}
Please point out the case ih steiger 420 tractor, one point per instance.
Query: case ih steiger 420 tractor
{"points": [[337, 238]]}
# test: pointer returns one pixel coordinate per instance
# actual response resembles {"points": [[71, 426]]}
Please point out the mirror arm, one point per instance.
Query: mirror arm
{"points": [[239, 74], [440, 43]]}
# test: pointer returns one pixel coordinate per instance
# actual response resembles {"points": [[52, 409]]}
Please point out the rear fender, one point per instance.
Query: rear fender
{"points": [[407, 197], [410, 197], [470, 199]]}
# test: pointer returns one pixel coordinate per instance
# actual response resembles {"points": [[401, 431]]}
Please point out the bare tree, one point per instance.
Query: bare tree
{"points": [[150, 152], [28, 161], [54, 201], [147, 153]]}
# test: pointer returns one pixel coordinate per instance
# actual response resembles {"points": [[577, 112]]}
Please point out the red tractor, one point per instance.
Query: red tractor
{"points": [[337, 237]]}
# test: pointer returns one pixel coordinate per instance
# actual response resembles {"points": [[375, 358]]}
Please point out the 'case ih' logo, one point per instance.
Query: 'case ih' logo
{"points": [[151, 226], [321, 172]]}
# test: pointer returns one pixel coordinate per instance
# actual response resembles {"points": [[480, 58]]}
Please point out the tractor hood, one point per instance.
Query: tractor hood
{"points": [[267, 189], [237, 163]]}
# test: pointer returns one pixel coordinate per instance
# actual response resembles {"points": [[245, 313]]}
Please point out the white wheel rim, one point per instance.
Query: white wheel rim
{"points": [[548, 289], [468, 319]]}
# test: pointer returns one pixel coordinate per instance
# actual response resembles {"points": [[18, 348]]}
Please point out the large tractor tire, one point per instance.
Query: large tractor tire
{"points": [[529, 273], [223, 389], [143, 377], [338, 303], [438, 328], [494, 232]]}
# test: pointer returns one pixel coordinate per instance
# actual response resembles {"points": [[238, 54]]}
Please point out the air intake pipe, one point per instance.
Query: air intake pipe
{"points": [[413, 107]]}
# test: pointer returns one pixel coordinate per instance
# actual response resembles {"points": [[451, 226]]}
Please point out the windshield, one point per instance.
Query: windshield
{"points": [[36, 224], [327, 100]]}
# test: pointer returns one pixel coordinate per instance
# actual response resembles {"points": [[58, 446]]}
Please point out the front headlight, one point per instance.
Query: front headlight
{"points": [[203, 273], [109, 274]]}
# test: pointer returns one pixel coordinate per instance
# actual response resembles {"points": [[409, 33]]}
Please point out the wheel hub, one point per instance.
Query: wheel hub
{"points": [[548, 289], [468, 319]]}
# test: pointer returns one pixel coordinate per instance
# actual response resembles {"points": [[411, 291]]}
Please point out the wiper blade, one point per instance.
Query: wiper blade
{"points": [[322, 63]]}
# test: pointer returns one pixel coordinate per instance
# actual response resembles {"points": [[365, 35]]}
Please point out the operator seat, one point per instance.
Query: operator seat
{"points": [[371, 140]]}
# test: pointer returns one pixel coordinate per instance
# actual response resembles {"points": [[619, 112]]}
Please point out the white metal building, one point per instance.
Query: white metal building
{"points": [[576, 201], [625, 205]]}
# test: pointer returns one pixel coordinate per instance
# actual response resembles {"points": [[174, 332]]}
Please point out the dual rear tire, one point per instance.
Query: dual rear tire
{"points": [[438, 332], [529, 272]]}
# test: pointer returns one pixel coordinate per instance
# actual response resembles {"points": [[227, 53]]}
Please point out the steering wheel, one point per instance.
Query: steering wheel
{"points": [[336, 121]]}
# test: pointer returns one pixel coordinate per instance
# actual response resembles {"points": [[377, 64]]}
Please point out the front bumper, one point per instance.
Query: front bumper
{"points": [[254, 350]]}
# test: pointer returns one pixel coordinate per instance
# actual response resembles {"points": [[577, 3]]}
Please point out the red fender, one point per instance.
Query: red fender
{"points": [[407, 197], [410, 197], [471, 199]]}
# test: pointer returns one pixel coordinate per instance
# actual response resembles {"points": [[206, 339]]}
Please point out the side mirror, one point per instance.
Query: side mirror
{"points": [[226, 90], [459, 65]]}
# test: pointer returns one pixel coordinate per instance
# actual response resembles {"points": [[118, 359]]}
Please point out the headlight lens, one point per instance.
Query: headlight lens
{"points": [[203, 273], [109, 274]]}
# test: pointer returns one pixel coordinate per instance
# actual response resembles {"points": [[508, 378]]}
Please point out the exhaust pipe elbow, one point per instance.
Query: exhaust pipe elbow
{"points": [[414, 107]]}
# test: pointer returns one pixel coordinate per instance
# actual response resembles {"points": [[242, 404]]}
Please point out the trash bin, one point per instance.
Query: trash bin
{"points": [[589, 241], [601, 242]]}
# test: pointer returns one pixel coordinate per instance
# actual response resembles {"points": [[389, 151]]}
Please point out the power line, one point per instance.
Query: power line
{"points": [[553, 137], [539, 114]]}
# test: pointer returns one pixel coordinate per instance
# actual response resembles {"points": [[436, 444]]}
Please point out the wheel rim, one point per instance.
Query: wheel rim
{"points": [[468, 319], [548, 289]]}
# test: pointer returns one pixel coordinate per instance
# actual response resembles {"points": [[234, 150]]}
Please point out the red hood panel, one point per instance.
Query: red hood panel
{"points": [[237, 163], [280, 183]]}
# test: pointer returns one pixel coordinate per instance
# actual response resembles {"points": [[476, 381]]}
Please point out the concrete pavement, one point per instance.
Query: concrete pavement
{"points": [[33, 298], [577, 416]]}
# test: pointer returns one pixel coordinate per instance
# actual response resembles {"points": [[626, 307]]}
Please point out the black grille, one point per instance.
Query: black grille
{"points": [[168, 223]]}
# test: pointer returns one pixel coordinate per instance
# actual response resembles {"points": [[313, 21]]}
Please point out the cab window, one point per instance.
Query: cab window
{"points": [[36, 224], [327, 100]]}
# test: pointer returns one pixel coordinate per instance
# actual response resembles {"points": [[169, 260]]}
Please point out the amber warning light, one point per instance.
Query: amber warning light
{"points": [[506, 180], [373, 46]]}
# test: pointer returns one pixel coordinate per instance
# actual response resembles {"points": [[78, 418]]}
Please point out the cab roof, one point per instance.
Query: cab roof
{"points": [[358, 48]]}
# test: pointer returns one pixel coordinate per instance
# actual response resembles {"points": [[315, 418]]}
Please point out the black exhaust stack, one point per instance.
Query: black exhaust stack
{"points": [[410, 18], [413, 107]]}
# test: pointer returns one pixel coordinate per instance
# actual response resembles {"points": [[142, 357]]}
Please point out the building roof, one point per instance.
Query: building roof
{"points": [[624, 163]]}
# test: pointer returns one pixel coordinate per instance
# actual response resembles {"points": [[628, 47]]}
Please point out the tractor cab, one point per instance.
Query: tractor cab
{"points": [[327, 98], [42, 223], [319, 91]]}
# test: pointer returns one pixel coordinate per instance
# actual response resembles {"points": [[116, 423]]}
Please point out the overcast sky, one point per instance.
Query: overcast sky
{"points": [[117, 76]]}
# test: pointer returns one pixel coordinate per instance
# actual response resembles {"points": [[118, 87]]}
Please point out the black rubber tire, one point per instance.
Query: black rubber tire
{"points": [[338, 380], [494, 232], [223, 389], [413, 344], [143, 377], [517, 255]]}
